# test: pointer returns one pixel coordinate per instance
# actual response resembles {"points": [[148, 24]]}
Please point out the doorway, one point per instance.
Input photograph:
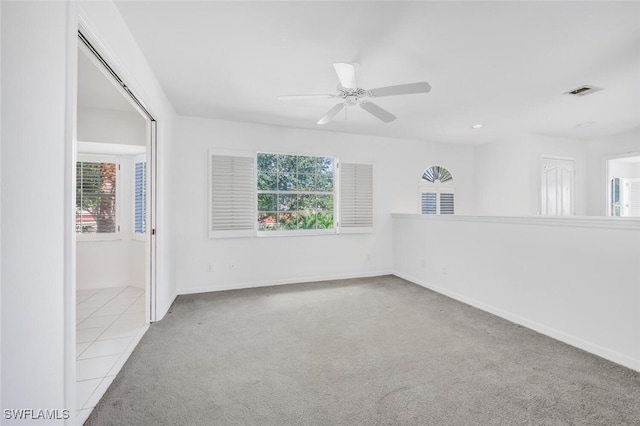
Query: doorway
{"points": [[623, 186], [557, 186], [114, 213]]}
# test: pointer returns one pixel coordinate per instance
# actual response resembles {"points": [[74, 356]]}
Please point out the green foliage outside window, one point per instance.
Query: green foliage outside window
{"points": [[295, 192], [95, 198]]}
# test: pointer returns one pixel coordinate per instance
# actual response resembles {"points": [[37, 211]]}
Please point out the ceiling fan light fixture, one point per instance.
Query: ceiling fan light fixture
{"points": [[351, 95]]}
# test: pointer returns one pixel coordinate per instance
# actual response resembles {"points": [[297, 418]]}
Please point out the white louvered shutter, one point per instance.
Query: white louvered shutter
{"points": [[232, 196], [428, 202], [356, 197], [140, 198], [446, 203]]}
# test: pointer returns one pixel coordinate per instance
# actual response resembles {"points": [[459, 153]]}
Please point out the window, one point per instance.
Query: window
{"points": [[140, 197], [295, 193], [436, 191], [284, 194], [96, 197]]}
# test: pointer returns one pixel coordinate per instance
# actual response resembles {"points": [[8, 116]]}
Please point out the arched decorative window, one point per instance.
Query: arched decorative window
{"points": [[436, 191]]}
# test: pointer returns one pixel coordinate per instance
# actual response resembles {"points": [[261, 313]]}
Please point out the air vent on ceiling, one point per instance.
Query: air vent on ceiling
{"points": [[583, 90]]}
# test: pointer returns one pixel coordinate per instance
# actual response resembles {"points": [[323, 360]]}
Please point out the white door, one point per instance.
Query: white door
{"points": [[630, 197], [557, 186]]}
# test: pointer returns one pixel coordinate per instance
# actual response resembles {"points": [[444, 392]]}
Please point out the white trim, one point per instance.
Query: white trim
{"points": [[69, 248], [100, 148], [355, 230], [622, 223], [269, 283], [297, 232], [548, 331]]}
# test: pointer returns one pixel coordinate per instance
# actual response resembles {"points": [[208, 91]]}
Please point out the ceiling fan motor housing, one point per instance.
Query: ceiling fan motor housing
{"points": [[352, 96]]}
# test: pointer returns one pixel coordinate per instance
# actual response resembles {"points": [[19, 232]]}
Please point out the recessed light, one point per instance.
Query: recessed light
{"points": [[477, 126]]}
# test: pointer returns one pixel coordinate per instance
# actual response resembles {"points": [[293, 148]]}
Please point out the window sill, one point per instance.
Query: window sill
{"points": [[94, 237], [261, 234]]}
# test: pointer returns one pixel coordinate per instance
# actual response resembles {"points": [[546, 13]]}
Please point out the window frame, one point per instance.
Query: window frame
{"points": [[299, 232], [104, 158], [438, 188]]}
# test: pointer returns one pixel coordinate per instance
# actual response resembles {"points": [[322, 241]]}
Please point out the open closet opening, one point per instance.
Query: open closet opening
{"points": [[113, 214]]}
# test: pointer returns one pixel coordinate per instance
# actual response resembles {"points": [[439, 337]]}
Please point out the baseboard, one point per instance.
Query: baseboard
{"points": [[569, 339], [256, 284]]}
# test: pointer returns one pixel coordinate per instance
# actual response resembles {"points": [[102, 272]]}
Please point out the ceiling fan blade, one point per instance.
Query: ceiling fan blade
{"points": [[401, 89], [332, 113], [375, 110], [346, 75], [296, 97]]}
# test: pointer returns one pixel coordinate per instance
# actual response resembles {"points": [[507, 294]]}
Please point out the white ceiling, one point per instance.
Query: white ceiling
{"points": [[503, 64]]}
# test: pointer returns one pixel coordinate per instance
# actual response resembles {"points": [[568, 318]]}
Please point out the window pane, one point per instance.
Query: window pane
{"points": [[307, 164], [267, 221], [307, 220], [287, 181], [287, 203], [325, 202], [267, 202], [307, 202], [267, 163], [288, 220], [267, 181], [288, 186], [287, 164], [325, 165], [324, 220], [95, 197], [306, 182], [324, 183]]}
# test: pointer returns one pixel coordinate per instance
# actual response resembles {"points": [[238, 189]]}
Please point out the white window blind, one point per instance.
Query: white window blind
{"points": [[428, 203], [356, 197], [140, 198], [232, 196], [96, 211], [446, 203]]}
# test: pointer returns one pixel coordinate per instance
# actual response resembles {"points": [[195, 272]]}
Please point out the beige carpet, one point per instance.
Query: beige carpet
{"points": [[377, 351]]}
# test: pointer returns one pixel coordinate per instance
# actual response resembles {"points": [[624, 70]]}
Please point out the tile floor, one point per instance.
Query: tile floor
{"points": [[109, 324]]}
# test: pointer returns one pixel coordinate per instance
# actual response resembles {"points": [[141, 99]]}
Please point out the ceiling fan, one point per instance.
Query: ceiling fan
{"points": [[350, 94]]}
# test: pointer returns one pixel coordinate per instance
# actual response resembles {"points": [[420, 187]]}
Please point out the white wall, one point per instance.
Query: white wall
{"points": [[35, 55], [508, 174], [39, 54], [398, 166], [110, 126], [575, 279]]}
